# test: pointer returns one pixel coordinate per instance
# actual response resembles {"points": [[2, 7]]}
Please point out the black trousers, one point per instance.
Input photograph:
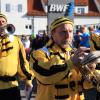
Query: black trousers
{"points": [[10, 94], [98, 96], [91, 94]]}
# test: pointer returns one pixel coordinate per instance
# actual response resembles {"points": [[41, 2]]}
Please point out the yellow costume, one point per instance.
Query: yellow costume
{"points": [[12, 62], [57, 79], [89, 84], [94, 42]]}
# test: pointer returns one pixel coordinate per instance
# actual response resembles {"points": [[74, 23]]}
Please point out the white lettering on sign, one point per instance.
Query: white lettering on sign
{"points": [[57, 8]]}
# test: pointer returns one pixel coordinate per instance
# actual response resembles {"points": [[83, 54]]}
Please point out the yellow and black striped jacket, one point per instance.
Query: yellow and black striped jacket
{"points": [[14, 64], [56, 76], [94, 42]]}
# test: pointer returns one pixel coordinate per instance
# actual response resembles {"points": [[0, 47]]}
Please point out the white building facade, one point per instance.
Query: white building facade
{"points": [[39, 24], [16, 12], [82, 16]]}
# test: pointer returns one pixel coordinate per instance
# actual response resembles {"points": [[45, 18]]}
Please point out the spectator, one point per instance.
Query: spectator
{"points": [[77, 38], [26, 42], [39, 41], [84, 37]]}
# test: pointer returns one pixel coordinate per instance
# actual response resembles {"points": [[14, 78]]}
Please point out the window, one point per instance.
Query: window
{"points": [[76, 26], [19, 7], [30, 27], [94, 27], [81, 11], [8, 8], [26, 26], [97, 27]]}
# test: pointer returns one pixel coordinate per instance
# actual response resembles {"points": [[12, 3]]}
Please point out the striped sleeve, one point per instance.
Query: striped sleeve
{"points": [[24, 70], [48, 71]]}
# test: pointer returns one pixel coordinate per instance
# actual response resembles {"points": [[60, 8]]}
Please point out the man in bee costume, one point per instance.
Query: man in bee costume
{"points": [[12, 63], [94, 41], [90, 60], [53, 68]]}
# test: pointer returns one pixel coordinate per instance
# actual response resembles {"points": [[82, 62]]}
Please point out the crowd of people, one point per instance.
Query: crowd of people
{"points": [[63, 64], [82, 36]]}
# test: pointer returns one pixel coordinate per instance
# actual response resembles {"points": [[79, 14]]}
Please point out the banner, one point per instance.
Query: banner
{"points": [[58, 8]]}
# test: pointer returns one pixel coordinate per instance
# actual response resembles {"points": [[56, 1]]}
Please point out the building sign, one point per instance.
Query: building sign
{"points": [[57, 8]]}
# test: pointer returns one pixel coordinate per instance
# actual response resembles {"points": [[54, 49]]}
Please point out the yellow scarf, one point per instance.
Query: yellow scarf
{"points": [[5, 46]]}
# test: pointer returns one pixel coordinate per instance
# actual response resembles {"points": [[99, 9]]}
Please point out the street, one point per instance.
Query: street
{"points": [[22, 86], [23, 96]]}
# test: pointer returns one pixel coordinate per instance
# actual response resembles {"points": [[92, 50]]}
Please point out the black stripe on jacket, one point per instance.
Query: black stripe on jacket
{"points": [[61, 86], [95, 45], [6, 43], [28, 75], [7, 49], [62, 97], [48, 72], [57, 53]]}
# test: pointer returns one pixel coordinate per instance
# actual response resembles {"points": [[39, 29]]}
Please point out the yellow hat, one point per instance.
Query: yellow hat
{"points": [[59, 21], [2, 15]]}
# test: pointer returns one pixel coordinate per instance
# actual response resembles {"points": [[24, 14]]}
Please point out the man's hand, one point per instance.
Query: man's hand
{"points": [[28, 89], [79, 55]]}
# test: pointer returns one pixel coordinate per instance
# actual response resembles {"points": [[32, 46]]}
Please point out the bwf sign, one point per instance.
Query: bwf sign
{"points": [[57, 8]]}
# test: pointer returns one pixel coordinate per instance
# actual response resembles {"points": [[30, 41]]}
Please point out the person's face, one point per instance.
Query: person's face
{"points": [[63, 34], [2, 23], [92, 65]]}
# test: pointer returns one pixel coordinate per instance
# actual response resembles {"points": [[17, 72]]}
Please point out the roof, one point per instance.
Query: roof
{"points": [[35, 7], [81, 2], [93, 10]]}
